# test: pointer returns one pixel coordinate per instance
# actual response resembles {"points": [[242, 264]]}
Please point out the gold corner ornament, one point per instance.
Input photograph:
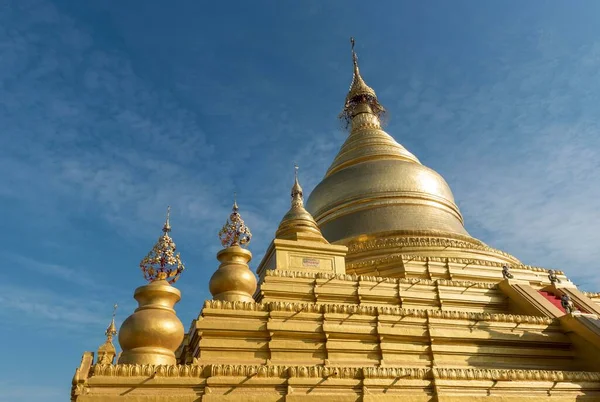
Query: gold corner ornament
{"points": [[162, 263], [235, 232]]}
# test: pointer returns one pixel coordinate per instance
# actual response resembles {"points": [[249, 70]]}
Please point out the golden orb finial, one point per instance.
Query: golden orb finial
{"points": [[235, 232], [162, 263], [360, 94]]}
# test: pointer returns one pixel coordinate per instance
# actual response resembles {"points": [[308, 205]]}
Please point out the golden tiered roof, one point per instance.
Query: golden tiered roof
{"points": [[379, 295]]}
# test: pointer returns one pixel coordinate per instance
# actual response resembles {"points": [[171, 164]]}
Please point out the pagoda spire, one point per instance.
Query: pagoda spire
{"points": [[111, 331], [107, 352], [298, 223], [297, 195], [361, 98]]}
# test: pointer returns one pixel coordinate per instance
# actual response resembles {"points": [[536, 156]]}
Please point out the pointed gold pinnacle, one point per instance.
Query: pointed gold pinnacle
{"points": [[297, 195], [112, 328]]}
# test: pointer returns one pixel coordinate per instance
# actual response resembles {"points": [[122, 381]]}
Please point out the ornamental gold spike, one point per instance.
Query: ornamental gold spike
{"points": [[112, 328], [162, 263], [297, 195], [235, 232]]}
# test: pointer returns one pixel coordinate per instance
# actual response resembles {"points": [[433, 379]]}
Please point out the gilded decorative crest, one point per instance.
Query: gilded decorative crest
{"points": [[235, 232], [162, 263]]}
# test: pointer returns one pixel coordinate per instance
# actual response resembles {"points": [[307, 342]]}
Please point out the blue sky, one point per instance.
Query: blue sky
{"points": [[110, 111]]}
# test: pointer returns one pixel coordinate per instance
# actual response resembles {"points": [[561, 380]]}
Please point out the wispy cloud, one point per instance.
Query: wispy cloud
{"points": [[520, 150], [52, 309], [109, 113]]}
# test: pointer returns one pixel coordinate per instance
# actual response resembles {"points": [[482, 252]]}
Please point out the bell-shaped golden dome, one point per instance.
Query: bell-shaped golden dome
{"points": [[375, 185], [379, 200]]}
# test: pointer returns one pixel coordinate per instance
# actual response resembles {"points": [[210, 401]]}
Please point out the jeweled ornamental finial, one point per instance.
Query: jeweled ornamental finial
{"points": [[235, 232], [162, 263], [297, 200]]}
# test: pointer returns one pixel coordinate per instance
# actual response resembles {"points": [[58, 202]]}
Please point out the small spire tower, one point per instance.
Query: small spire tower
{"points": [[153, 332], [299, 244], [297, 223], [233, 280], [107, 352]]}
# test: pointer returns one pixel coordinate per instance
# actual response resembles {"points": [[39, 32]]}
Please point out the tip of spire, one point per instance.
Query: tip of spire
{"points": [[112, 328], [297, 200], [354, 56], [235, 205], [167, 225]]}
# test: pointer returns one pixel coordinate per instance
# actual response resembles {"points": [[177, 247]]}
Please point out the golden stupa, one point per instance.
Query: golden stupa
{"points": [[373, 291]]}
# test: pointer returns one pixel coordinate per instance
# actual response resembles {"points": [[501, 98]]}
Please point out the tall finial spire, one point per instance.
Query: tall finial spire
{"points": [[359, 94], [298, 223], [297, 200], [107, 352], [162, 263], [235, 232], [112, 328], [354, 56]]}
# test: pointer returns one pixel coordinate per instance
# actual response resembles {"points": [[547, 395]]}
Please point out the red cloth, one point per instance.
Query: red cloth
{"points": [[553, 299]]}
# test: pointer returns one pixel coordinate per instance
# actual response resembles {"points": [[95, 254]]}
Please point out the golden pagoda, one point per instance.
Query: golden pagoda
{"points": [[373, 291]]}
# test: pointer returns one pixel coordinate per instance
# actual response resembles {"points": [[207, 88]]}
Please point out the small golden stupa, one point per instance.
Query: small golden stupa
{"points": [[233, 280], [374, 291], [153, 333]]}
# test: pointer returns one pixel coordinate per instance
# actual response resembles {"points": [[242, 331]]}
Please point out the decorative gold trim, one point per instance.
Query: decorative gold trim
{"points": [[514, 375], [469, 261], [330, 308], [342, 372], [379, 279], [417, 241]]}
